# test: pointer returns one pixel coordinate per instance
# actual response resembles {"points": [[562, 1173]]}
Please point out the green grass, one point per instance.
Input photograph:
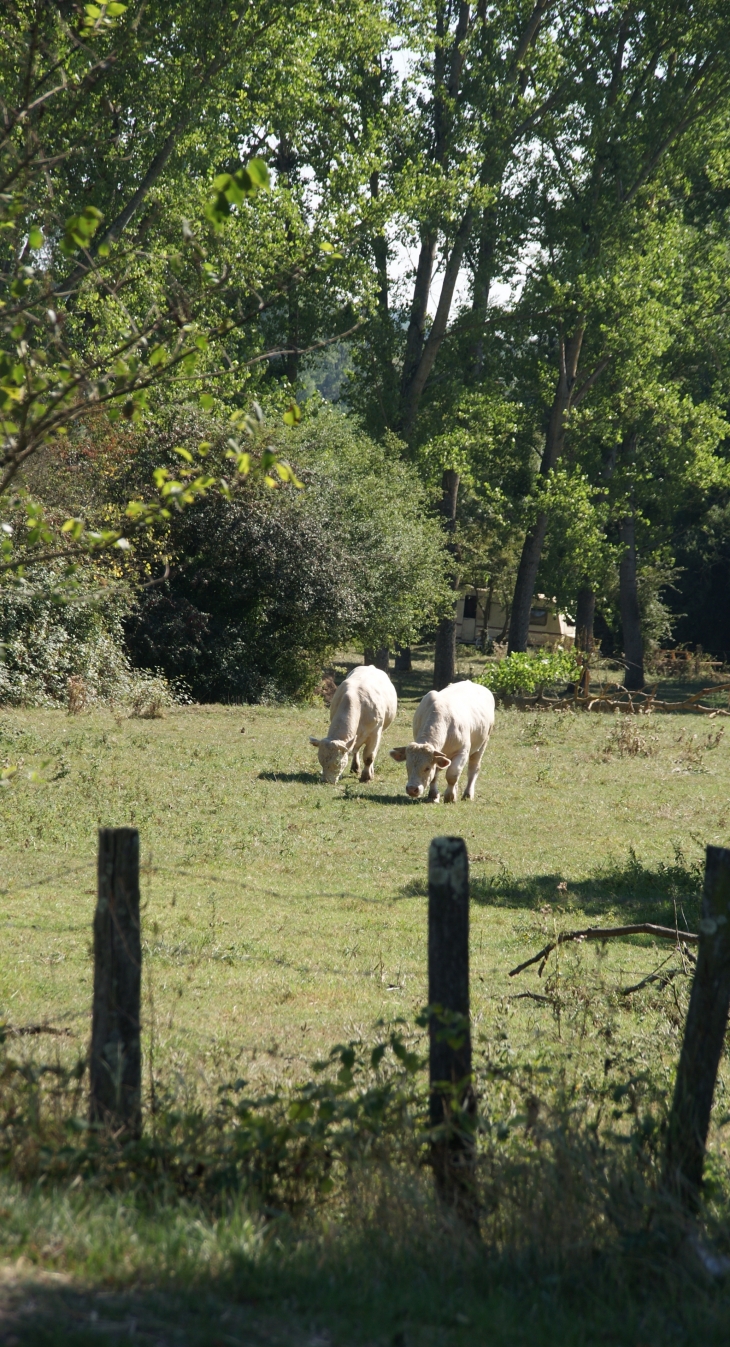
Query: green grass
{"points": [[282, 916]]}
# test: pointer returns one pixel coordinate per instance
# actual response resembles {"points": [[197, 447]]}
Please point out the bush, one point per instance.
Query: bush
{"points": [[528, 672], [262, 592], [69, 651], [381, 510], [266, 587]]}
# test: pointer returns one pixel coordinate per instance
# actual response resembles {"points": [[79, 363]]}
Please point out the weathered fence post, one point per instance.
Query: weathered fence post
{"points": [[704, 1035], [452, 1101], [116, 1059]]}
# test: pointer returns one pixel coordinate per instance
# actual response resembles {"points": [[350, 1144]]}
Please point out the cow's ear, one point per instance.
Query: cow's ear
{"points": [[441, 760], [314, 741], [398, 754]]}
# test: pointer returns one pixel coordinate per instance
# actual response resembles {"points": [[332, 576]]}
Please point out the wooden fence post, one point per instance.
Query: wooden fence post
{"points": [[452, 1100], [116, 1058], [704, 1035]]}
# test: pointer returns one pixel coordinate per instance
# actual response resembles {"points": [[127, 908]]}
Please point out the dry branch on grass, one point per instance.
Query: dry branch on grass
{"points": [[606, 933], [663, 979], [621, 699]]}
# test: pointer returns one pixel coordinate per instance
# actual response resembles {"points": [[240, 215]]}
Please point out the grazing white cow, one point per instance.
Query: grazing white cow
{"points": [[450, 728], [363, 706]]}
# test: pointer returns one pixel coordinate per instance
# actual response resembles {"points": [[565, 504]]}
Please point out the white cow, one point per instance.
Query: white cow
{"points": [[449, 728], [363, 706]]}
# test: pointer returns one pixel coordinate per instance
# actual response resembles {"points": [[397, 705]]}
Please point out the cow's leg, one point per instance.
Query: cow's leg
{"points": [[355, 761], [372, 744], [433, 793], [475, 762], [453, 772]]}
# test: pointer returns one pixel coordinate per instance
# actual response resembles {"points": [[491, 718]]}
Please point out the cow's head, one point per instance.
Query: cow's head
{"points": [[332, 754], [423, 761]]}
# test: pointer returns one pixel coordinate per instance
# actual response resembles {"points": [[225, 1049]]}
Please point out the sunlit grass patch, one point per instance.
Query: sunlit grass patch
{"points": [[280, 917]]}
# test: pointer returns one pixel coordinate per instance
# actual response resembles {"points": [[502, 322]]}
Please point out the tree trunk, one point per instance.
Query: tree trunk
{"points": [[482, 284], [444, 664], [416, 334], [630, 613], [382, 658], [554, 441], [414, 384], [286, 167], [584, 619], [519, 621], [380, 254], [403, 660], [291, 363]]}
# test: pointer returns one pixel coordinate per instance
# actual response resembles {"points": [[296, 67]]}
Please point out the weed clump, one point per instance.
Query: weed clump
{"points": [[693, 747], [77, 694], [626, 739]]}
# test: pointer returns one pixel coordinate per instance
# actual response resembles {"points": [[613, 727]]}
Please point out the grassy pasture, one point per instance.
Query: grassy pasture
{"points": [[282, 916]]}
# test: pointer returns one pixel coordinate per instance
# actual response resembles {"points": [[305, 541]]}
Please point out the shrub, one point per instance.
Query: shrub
{"points": [[528, 672], [262, 592], [266, 587], [68, 651], [382, 512]]}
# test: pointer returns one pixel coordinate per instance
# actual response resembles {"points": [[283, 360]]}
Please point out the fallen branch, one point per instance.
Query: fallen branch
{"points": [[534, 996], [619, 699], [607, 933], [662, 978]]}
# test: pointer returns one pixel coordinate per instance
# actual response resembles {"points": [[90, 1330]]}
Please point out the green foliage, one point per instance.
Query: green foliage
{"points": [[199, 255], [530, 671], [289, 1147], [380, 510], [49, 635], [269, 584]]}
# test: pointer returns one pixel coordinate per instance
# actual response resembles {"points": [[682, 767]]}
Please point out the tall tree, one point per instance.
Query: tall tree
{"points": [[650, 442], [643, 77]]}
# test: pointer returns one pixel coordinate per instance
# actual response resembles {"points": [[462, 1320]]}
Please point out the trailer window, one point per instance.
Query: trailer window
{"points": [[470, 605], [538, 617]]}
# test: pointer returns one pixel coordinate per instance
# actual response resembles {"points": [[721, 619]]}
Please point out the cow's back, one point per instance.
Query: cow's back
{"points": [[371, 691], [461, 714]]}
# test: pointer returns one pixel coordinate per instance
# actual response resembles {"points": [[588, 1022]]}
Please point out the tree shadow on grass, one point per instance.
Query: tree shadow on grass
{"points": [[41, 1314], [366, 1283], [384, 799], [415, 888], [305, 778], [633, 891]]}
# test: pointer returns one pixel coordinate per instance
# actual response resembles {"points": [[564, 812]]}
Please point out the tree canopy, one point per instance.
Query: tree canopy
{"points": [[506, 228]]}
